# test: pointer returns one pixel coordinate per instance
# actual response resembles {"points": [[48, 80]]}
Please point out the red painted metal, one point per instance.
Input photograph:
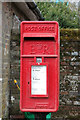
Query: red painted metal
{"points": [[39, 39]]}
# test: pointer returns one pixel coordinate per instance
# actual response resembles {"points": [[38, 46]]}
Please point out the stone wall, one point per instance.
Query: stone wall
{"points": [[0, 60], [69, 75], [11, 17], [14, 72], [6, 33]]}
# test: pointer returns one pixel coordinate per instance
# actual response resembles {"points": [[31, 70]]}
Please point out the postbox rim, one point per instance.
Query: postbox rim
{"points": [[27, 22]]}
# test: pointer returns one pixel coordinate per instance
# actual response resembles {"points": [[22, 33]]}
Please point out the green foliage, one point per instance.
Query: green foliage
{"points": [[60, 12]]}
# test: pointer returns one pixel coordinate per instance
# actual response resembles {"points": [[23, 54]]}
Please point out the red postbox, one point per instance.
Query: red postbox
{"points": [[39, 70]]}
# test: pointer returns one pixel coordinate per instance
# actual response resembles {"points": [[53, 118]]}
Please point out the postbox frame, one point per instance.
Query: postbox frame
{"points": [[40, 64]]}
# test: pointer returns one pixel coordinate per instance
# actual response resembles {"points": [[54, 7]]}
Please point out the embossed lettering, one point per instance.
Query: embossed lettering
{"points": [[39, 48], [46, 49], [33, 49], [40, 28]]}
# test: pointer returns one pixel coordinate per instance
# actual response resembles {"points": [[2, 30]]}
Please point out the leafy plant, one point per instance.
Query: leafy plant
{"points": [[61, 12]]}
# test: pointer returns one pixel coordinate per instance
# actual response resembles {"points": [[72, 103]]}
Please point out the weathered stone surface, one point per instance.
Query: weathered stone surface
{"points": [[10, 22]]}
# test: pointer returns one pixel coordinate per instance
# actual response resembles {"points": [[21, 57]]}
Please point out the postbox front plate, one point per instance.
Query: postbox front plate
{"points": [[39, 80], [39, 70]]}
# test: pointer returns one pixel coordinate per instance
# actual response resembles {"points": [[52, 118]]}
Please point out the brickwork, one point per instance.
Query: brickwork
{"points": [[69, 75]]}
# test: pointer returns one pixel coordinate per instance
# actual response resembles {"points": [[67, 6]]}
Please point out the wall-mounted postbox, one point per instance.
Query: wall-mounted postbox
{"points": [[39, 70]]}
